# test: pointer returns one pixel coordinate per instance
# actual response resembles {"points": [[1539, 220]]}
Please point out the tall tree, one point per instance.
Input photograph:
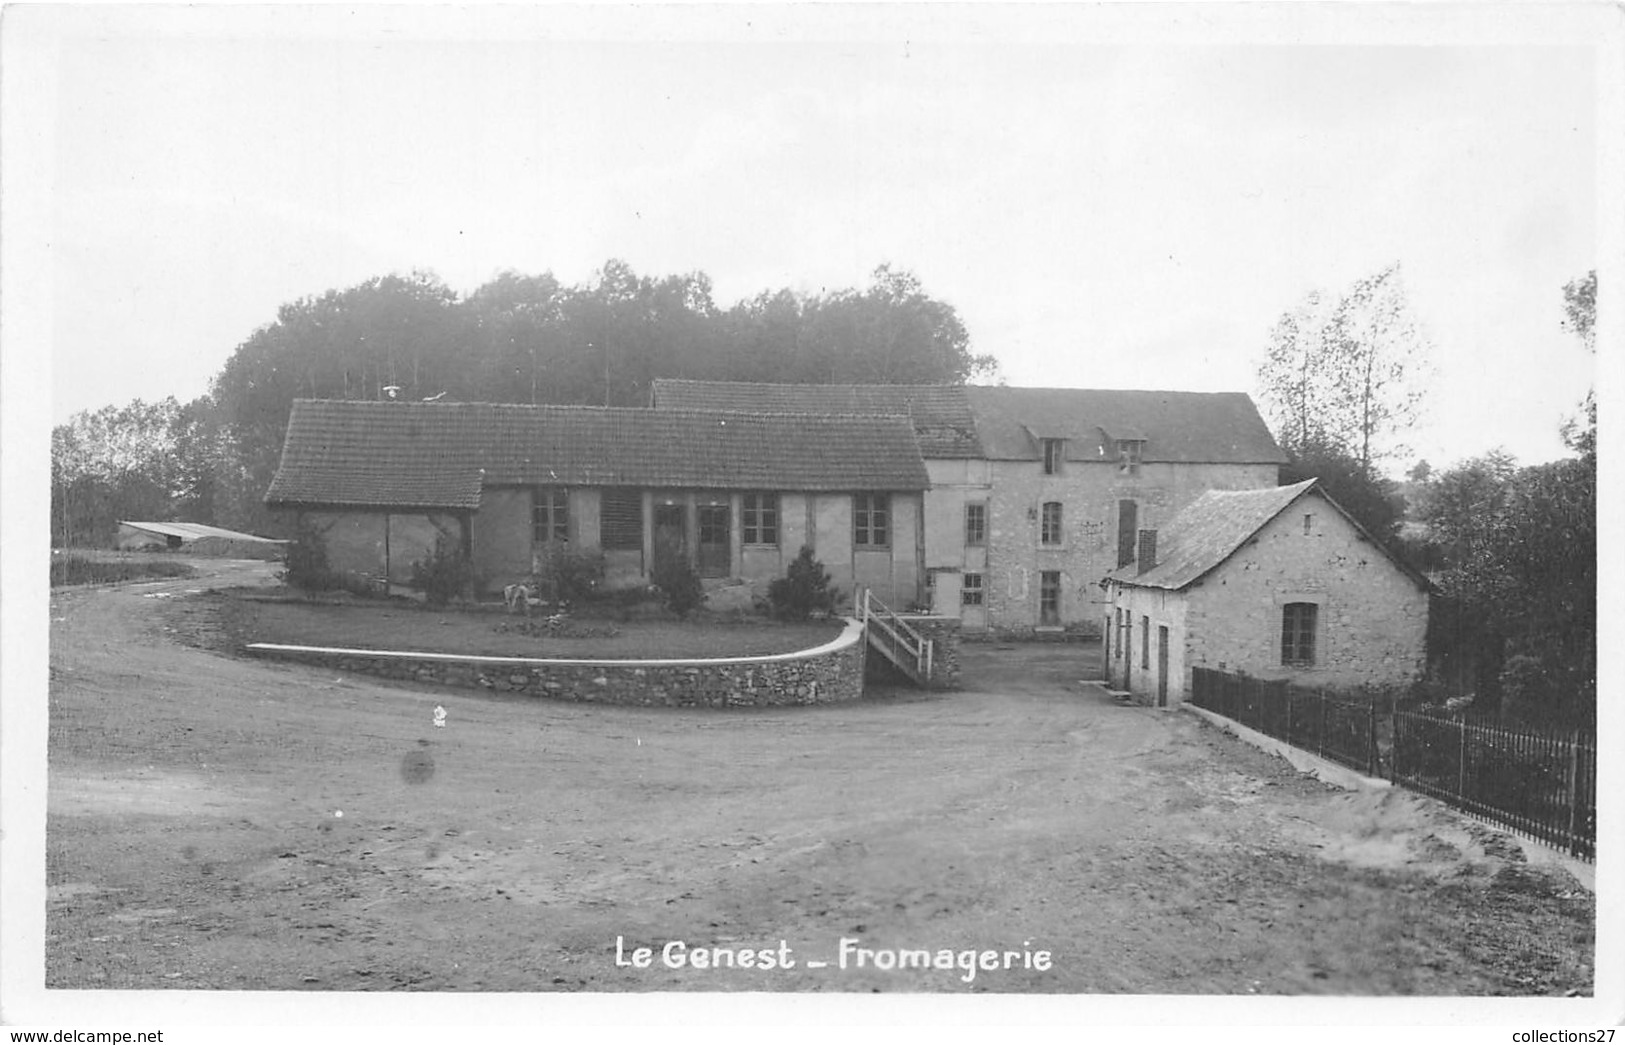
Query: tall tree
{"points": [[1348, 373], [1371, 499], [1519, 548], [113, 464]]}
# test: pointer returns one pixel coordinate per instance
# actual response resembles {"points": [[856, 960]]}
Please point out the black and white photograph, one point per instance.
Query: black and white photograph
{"points": [[768, 515]]}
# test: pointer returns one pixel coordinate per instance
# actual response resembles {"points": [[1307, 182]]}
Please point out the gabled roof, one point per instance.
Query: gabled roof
{"points": [[940, 413], [440, 455], [1215, 525], [1194, 427], [188, 531]]}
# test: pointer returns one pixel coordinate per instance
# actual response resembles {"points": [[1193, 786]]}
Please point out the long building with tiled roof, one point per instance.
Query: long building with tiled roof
{"points": [[1037, 493], [735, 492], [940, 414]]}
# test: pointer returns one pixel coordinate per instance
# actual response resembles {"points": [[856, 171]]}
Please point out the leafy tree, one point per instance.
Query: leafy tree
{"points": [[1347, 372], [1367, 496], [304, 562], [516, 339], [679, 585], [803, 590], [571, 574], [112, 464], [444, 574], [1580, 308]]}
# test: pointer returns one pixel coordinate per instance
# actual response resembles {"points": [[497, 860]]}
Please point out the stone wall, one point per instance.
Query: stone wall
{"points": [[944, 635], [1371, 616], [824, 675], [1089, 494]]}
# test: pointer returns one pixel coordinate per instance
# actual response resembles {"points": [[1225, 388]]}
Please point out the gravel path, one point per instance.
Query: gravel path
{"points": [[194, 838]]}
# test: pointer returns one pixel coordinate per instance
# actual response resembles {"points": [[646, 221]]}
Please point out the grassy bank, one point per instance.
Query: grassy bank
{"points": [[112, 568]]}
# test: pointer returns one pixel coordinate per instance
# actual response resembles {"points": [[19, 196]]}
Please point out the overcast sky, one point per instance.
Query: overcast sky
{"points": [[1123, 205]]}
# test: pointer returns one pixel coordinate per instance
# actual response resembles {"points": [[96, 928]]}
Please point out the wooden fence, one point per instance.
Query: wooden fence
{"points": [[1539, 784]]}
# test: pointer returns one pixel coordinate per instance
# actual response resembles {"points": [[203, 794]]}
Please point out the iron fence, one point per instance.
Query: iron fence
{"points": [[1335, 728], [1543, 785]]}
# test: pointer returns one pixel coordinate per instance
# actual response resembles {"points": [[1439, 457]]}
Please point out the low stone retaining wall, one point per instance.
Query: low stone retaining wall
{"points": [[825, 674]]}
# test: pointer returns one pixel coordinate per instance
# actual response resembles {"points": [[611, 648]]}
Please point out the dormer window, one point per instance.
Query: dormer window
{"points": [[1054, 453], [1129, 453]]}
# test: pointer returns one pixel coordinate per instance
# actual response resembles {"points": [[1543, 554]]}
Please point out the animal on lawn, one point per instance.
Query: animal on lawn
{"points": [[517, 596]]}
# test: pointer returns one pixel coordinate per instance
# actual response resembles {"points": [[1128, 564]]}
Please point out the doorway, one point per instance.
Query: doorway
{"points": [[670, 535], [1162, 667], [1049, 598], [716, 553]]}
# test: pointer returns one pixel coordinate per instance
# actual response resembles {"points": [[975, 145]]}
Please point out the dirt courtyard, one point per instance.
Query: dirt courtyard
{"points": [[195, 838]]}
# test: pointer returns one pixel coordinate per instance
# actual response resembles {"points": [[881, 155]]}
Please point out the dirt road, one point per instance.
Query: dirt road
{"points": [[195, 838]]}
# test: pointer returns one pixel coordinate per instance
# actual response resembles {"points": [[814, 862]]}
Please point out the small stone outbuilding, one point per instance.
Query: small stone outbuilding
{"points": [[1275, 583]]}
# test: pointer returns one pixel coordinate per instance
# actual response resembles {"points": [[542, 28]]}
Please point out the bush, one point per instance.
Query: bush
{"points": [[444, 575], [304, 565], [803, 590], [570, 574], [679, 585]]}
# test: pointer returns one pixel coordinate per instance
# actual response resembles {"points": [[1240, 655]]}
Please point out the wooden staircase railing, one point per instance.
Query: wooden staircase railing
{"points": [[895, 639]]}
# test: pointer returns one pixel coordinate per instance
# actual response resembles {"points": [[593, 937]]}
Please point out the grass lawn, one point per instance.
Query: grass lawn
{"points": [[407, 627]]}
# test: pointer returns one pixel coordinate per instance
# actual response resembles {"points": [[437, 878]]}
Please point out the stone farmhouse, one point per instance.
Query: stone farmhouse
{"points": [[736, 493], [1275, 583], [1036, 494]]}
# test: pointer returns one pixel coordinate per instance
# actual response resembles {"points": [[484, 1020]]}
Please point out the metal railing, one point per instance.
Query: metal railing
{"points": [[1540, 784]]}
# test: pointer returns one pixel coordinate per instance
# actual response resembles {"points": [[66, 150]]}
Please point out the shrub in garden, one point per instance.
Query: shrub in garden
{"points": [[678, 584], [803, 590], [445, 574], [570, 574], [304, 564]]}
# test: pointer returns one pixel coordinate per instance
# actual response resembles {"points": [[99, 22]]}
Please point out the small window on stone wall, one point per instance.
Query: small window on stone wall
{"points": [[1298, 634], [1049, 531]]}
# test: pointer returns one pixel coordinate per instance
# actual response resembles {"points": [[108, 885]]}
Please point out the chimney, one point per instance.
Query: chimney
{"points": [[1148, 550]]}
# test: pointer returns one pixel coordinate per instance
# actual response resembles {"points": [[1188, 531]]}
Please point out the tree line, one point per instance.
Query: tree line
{"points": [[1512, 551], [516, 339]]}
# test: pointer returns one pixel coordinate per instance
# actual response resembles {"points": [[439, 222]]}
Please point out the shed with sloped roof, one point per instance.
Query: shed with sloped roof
{"points": [[1273, 583]]}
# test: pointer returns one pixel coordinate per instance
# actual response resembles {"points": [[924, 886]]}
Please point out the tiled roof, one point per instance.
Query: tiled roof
{"points": [[1195, 427], [940, 413], [192, 531], [1211, 528], [385, 454]]}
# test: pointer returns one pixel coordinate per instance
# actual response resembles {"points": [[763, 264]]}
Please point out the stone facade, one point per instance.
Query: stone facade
{"points": [[1370, 616], [504, 549], [826, 675], [381, 544], [1090, 495]]}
